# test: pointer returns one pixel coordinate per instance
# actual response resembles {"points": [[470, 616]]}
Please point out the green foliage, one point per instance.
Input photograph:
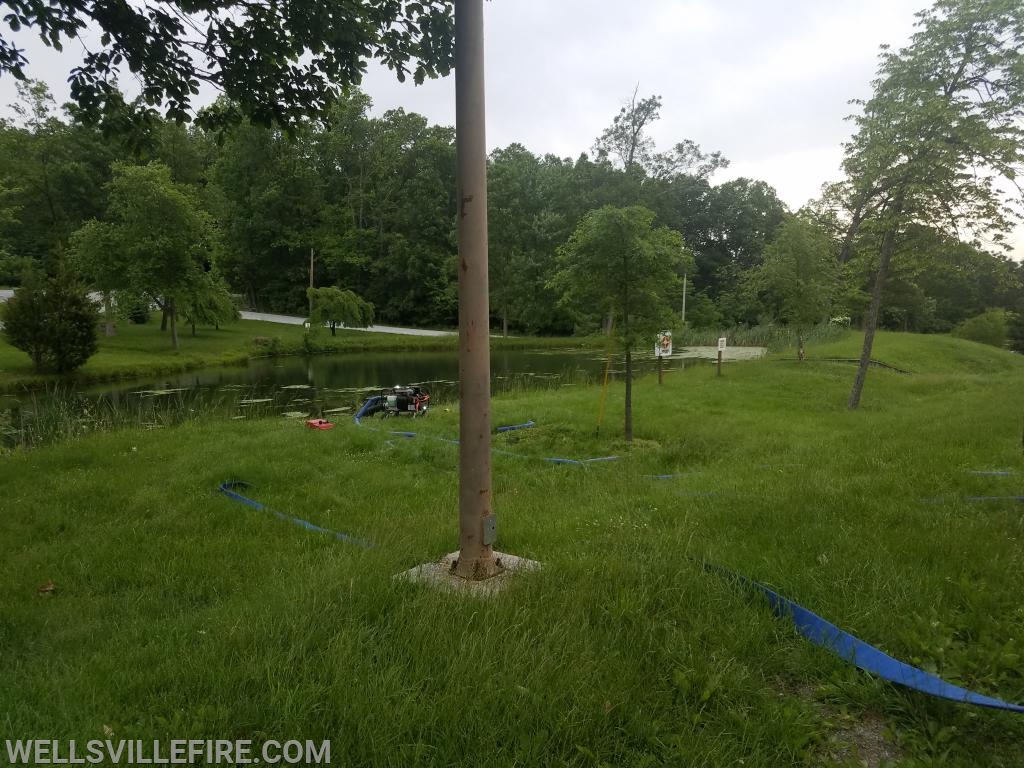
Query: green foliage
{"points": [[277, 64], [207, 300], [336, 306], [53, 320], [942, 125], [1015, 331], [156, 240], [798, 278], [991, 327], [618, 264]]}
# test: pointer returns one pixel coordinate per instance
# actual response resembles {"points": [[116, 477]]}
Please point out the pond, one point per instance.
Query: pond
{"points": [[299, 387]]}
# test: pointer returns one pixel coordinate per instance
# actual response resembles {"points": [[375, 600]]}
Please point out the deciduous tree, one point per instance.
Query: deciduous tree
{"points": [[618, 263], [945, 122], [336, 306], [798, 278]]}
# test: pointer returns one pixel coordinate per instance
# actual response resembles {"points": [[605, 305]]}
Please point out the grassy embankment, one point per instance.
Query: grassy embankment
{"points": [[179, 613], [143, 350]]}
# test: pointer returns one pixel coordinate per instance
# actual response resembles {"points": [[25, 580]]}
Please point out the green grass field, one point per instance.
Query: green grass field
{"points": [[178, 613]]}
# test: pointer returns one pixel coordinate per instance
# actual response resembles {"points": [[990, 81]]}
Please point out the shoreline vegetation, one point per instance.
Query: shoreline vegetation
{"points": [[152, 607], [140, 351]]}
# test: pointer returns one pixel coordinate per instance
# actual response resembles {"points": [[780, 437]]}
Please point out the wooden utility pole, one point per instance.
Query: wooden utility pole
{"points": [[311, 252], [477, 523]]}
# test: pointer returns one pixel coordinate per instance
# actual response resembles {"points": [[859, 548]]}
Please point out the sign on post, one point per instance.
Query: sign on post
{"points": [[721, 351], [662, 349], [721, 344], [663, 346]]}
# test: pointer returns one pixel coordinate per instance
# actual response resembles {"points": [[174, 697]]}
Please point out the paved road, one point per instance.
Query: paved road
{"points": [[289, 320]]}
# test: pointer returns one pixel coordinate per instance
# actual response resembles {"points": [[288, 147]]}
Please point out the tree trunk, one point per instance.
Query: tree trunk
{"points": [[504, 322], [193, 324], [333, 326], [871, 322], [629, 396], [800, 344], [172, 311], [163, 316], [108, 316]]}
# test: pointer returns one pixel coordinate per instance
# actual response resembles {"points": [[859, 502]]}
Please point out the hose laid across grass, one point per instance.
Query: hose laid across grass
{"points": [[227, 488], [371, 406], [862, 655]]}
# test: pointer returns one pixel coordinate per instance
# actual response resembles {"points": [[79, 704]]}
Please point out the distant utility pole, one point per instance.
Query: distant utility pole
{"points": [[311, 252], [477, 523], [684, 298]]}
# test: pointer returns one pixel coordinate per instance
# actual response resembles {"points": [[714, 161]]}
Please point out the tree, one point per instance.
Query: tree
{"points": [[267, 197], [335, 306], [945, 121], [523, 233], [207, 300], [56, 171], [274, 61], [617, 263], [625, 140], [53, 320], [155, 238], [797, 279], [744, 216]]}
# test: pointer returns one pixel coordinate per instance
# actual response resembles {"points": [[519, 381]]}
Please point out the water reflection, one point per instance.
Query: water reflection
{"points": [[293, 386]]}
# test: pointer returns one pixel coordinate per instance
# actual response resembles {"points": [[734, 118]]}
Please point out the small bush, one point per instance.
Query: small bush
{"points": [[1015, 330], [54, 321], [265, 345], [991, 327]]}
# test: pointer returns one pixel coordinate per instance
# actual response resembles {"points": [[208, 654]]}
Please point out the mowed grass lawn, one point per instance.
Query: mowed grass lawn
{"points": [[178, 613]]}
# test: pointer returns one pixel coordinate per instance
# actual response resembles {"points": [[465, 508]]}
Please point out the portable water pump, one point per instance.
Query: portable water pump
{"points": [[400, 400]]}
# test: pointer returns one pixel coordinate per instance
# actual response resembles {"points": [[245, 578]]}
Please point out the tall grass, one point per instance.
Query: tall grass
{"points": [[774, 337], [178, 613]]}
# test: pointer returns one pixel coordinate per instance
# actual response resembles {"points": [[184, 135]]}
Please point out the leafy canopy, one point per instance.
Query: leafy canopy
{"points": [[618, 263], [276, 61], [336, 306]]}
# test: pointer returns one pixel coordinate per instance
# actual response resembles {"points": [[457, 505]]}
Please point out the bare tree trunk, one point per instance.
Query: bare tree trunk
{"points": [[800, 344], [629, 396], [108, 316], [871, 322], [504, 322], [172, 311], [164, 316]]}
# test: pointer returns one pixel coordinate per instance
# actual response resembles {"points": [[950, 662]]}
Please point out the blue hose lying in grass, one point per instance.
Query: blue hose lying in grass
{"points": [[373, 404], [528, 425], [227, 490], [860, 654]]}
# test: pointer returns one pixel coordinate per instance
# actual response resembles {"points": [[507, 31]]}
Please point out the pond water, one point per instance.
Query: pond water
{"points": [[327, 385]]}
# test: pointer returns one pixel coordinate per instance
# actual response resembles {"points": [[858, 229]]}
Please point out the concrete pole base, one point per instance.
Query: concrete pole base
{"points": [[443, 574]]}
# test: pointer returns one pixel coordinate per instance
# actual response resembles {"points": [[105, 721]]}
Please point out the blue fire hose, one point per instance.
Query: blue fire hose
{"points": [[862, 655], [228, 490]]}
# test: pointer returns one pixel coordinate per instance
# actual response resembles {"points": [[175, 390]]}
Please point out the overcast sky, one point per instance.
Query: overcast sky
{"points": [[768, 84]]}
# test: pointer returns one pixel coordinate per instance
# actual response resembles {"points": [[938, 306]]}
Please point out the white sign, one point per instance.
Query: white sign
{"points": [[663, 346], [721, 344]]}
